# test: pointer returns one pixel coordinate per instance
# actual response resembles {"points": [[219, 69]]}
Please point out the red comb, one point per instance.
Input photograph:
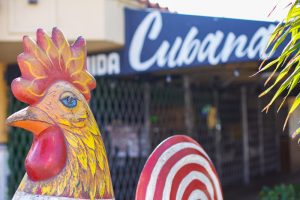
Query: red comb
{"points": [[49, 60]]}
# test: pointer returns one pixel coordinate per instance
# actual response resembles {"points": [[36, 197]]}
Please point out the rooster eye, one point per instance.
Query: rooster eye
{"points": [[69, 101]]}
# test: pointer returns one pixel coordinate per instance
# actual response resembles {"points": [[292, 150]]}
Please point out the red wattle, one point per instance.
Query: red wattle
{"points": [[47, 155]]}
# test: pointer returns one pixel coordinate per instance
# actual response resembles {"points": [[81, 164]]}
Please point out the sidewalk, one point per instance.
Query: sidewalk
{"points": [[251, 191]]}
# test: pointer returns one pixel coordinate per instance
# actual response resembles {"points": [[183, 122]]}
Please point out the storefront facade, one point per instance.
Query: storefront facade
{"points": [[178, 74], [190, 80]]}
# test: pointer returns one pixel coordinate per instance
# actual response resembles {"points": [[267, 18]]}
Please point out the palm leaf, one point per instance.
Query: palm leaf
{"points": [[287, 65]]}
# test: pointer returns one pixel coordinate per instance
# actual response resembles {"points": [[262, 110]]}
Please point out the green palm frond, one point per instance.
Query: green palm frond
{"points": [[287, 65]]}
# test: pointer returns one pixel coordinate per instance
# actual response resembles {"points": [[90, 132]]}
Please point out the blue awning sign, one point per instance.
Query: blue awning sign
{"points": [[157, 41], [104, 64], [192, 48]]}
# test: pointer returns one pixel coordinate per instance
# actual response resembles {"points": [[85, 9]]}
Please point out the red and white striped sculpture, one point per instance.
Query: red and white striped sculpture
{"points": [[179, 169]]}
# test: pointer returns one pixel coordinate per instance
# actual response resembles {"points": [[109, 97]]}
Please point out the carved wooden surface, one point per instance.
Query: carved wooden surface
{"points": [[67, 157], [179, 169]]}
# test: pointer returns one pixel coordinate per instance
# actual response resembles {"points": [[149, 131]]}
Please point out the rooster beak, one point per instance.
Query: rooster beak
{"points": [[30, 118]]}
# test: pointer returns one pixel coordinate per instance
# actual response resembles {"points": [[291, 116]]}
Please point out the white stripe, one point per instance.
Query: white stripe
{"points": [[162, 160], [26, 196], [193, 158], [166, 156], [191, 177], [198, 195]]}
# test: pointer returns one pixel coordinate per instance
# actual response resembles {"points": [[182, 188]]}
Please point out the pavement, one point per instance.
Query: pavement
{"points": [[251, 190]]}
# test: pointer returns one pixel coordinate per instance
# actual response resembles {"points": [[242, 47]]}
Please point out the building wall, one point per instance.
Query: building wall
{"points": [[95, 19], [3, 105], [100, 22], [3, 134]]}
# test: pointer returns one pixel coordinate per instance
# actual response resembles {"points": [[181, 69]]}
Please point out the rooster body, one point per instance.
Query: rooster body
{"points": [[67, 159]]}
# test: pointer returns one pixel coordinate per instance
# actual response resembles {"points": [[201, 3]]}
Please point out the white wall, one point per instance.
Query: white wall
{"points": [[99, 20]]}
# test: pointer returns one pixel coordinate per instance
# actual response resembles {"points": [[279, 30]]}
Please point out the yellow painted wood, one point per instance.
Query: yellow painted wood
{"points": [[52, 71], [3, 104]]}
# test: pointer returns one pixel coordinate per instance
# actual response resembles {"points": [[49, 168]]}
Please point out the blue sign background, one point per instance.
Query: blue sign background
{"points": [[174, 25], [177, 25]]}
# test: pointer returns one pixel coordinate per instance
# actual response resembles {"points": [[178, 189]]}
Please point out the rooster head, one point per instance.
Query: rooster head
{"points": [[67, 157]]}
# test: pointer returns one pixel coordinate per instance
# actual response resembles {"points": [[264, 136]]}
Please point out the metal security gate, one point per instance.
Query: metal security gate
{"points": [[118, 107], [231, 157], [134, 116], [166, 111]]}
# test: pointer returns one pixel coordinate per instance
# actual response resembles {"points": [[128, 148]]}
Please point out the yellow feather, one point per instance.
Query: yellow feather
{"points": [[60, 188], [86, 178], [46, 189], [71, 139], [71, 189], [94, 130], [99, 156], [76, 193], [88, 139], [63, 122], [108, 184], [73, 130], [93, 190], [64, 183], [34, 190], [22, 184], [102, 189], [78, 123], [92, 161], [66, 178], [53, 189], [81, 155], [74, 166]]}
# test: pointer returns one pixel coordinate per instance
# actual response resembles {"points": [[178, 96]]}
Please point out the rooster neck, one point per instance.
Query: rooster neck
{"points": [[86, 174]]}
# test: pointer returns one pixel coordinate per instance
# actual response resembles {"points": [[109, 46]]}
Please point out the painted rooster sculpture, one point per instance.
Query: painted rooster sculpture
{"points": [[67, 159]]}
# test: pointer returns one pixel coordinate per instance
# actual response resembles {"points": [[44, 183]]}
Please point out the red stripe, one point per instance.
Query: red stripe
{"points": [[194, 185], [160, 185], [152, 160], [184, 171]]}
